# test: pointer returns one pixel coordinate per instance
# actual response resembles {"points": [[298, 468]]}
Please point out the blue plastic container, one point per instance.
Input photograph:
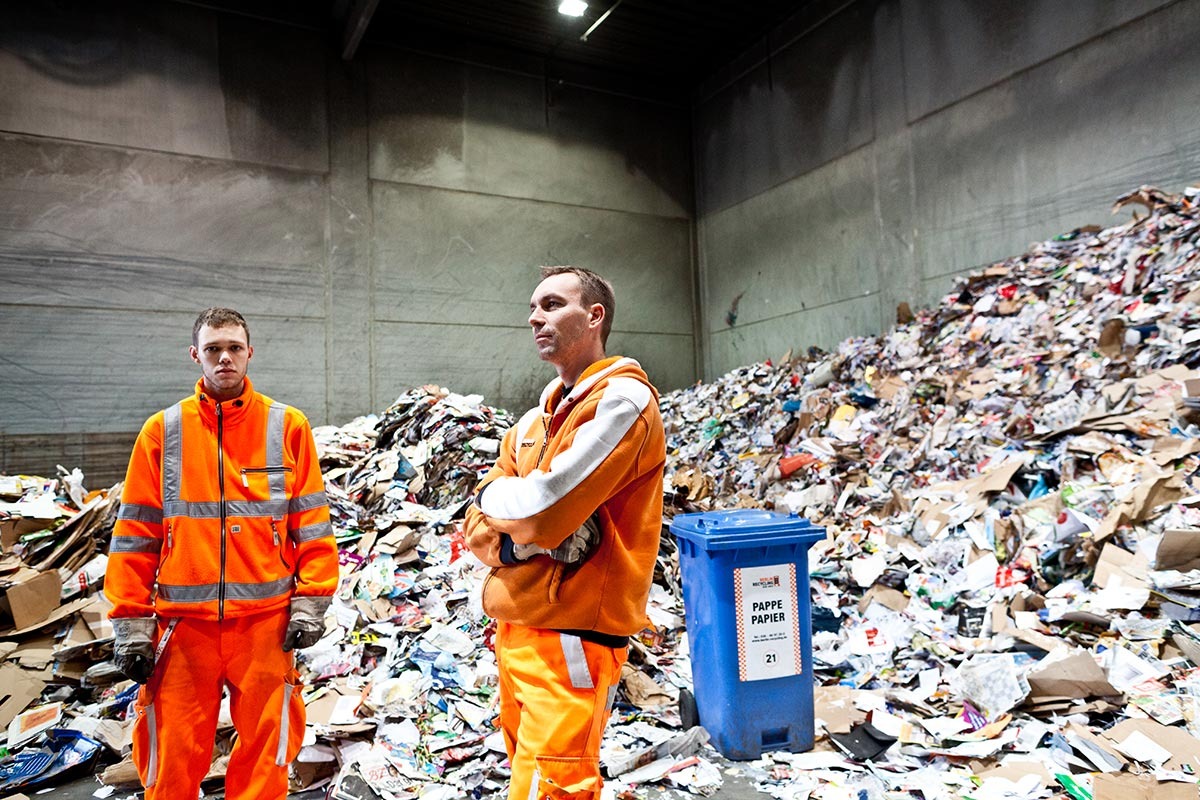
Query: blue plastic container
{"points": [[749, 622]]}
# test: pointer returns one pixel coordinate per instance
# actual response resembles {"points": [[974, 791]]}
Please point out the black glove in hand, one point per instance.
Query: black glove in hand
{"points": [[299, 637], [133, 647], [135, 666], [306, 622]]}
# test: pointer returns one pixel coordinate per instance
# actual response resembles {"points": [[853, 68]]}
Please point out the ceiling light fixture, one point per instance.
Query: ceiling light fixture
{"points": [[599, 21], [572, 8]]}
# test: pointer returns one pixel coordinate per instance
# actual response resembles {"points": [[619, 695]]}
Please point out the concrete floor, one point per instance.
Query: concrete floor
{"points": [[736, 787], [85, 788]]}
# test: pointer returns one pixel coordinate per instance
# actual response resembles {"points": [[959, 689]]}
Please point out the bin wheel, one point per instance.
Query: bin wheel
{"points": [[689, 715]]}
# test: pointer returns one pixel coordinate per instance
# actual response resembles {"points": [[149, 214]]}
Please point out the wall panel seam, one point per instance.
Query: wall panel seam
{"points": [[124, 148], [652, 215]]}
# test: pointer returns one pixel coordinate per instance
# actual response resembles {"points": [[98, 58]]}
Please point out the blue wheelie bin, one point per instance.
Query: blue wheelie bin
{"points": [[749, 623]]}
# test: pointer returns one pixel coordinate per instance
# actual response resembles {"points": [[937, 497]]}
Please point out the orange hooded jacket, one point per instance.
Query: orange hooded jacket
{"points": [[600, 448], [223, 513]]}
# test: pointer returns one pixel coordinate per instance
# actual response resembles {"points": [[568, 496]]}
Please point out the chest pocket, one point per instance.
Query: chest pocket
{"points": [[270, 472], [275, 471]]}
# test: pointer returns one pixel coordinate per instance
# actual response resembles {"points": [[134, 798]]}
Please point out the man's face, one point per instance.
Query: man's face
{"points": [[222, 354], [562, 325]]}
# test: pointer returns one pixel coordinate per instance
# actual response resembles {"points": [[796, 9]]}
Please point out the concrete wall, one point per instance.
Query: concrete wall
{"points": [[379, 223], [868, 151], [479, 175]]}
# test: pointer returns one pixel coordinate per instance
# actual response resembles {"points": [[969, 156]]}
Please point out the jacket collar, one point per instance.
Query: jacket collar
{"points": [[232, 411], [553, 402]]}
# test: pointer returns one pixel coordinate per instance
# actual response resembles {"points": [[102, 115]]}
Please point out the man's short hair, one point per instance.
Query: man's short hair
{"points": [[593, 289], [217, 317]]}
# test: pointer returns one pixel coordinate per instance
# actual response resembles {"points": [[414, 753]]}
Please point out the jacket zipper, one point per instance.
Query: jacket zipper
{"points": [[279, 545], [221, 482], [545, 442], [265, 470]]}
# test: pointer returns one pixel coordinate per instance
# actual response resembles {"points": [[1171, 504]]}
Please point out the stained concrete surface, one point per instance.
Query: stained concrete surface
{"points": [[736, 787]]}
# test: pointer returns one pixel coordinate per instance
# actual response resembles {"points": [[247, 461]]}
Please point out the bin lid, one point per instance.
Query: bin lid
{"points": [[745, 527]]}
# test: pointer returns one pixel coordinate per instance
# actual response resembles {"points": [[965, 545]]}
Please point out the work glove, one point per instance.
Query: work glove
{"points": [[133, 647], [575, 549], [306, 622]]}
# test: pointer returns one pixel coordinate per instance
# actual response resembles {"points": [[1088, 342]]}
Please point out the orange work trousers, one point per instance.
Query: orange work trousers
{"points": [[177, 709], [556, 693]]}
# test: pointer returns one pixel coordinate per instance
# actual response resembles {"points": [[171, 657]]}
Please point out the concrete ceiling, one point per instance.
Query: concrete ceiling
{"points": [[656, 47], [673, 42]]}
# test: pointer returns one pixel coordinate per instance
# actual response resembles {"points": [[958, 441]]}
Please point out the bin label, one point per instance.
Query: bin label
{"points": [[768, 622]]}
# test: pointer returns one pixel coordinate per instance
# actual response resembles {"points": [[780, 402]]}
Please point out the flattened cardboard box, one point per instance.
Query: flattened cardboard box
{"points": [[1123, 786], [1178, 549], [21, 687], [13, 528], [29, 597], [1076, 676]]}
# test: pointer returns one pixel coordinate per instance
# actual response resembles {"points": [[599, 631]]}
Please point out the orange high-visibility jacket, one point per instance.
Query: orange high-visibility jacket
{"points": [[223, 513], [600, 448]]}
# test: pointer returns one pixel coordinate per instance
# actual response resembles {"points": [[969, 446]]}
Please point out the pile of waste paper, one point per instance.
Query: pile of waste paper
{"points": [[1005, 604], [54, 538]]}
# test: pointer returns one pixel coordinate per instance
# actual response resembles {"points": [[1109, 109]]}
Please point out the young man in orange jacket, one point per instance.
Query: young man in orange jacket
{"points": [[222, 561], [569, 518]]}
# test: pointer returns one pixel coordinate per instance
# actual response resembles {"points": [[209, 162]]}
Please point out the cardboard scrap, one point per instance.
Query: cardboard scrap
{"points": [[1124, 786], [1131, 568], [1098, 751], [833, 707], [122, 775], [888, 597], [20, 687], [57, 615], [641, 689], [1003, 623], [1184, 748], [1076, 676], [29, 598], [1178, 549], [13, 528]]}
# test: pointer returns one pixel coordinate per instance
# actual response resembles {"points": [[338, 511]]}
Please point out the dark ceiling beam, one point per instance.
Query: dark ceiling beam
{"points": [[356, 25]]}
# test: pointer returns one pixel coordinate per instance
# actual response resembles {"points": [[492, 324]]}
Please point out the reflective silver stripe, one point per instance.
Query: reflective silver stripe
{"points": [[277, 481], [259, 591], [577, 666], [281, 751], [172, 465], [188, 594], [166, 637], [305, 502], [135, 544], [255, 508], [140, 513], [204, 592], [152, 767], [309, 532], [612, 696], [533, 786], [233, 508]]}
